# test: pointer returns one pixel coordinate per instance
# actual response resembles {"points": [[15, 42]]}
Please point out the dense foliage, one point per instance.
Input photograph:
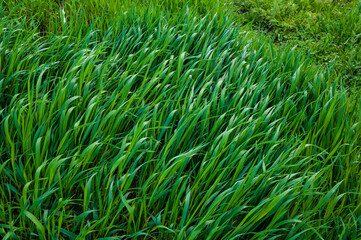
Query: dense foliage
{"points": [[330, 30], [170, 126]]}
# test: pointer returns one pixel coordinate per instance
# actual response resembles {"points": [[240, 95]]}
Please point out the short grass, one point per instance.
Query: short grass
{"points": [[329, 30], [162, 124]]}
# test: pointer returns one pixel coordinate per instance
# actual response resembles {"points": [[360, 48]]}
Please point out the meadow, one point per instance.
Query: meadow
{"points": [[167, 120], [329, 31]]}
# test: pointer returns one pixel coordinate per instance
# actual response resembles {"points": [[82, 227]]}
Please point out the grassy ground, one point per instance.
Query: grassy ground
{"points": [[156, 124], [329, 30], [48, 13]]}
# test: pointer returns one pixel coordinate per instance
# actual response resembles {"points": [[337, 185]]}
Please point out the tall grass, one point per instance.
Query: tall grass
{"points": [[48, 13], [171, 127]]}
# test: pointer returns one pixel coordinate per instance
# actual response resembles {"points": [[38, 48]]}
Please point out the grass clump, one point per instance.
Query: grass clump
{"points": [[329, 30], [159, 127]]}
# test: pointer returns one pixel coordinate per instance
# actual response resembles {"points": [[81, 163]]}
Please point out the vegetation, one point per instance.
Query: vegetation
{"points": [[158, 123], [329, 30], [48, 13]]}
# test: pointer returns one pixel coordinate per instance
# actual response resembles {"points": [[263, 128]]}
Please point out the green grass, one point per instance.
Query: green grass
{"points": [[48, 13], [160, 124], [329, 30]]}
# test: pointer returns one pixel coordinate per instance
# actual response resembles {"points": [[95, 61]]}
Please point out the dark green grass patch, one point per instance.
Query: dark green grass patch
{"points": [[49, 13], [171, 127]]}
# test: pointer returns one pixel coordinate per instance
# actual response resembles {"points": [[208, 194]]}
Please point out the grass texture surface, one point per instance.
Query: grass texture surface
{"points": [[161, 126], [328, 30]]}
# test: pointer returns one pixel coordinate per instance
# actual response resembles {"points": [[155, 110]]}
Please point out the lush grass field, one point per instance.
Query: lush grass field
{"points": [[329, 30], [48, 13], [168, 124]]}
